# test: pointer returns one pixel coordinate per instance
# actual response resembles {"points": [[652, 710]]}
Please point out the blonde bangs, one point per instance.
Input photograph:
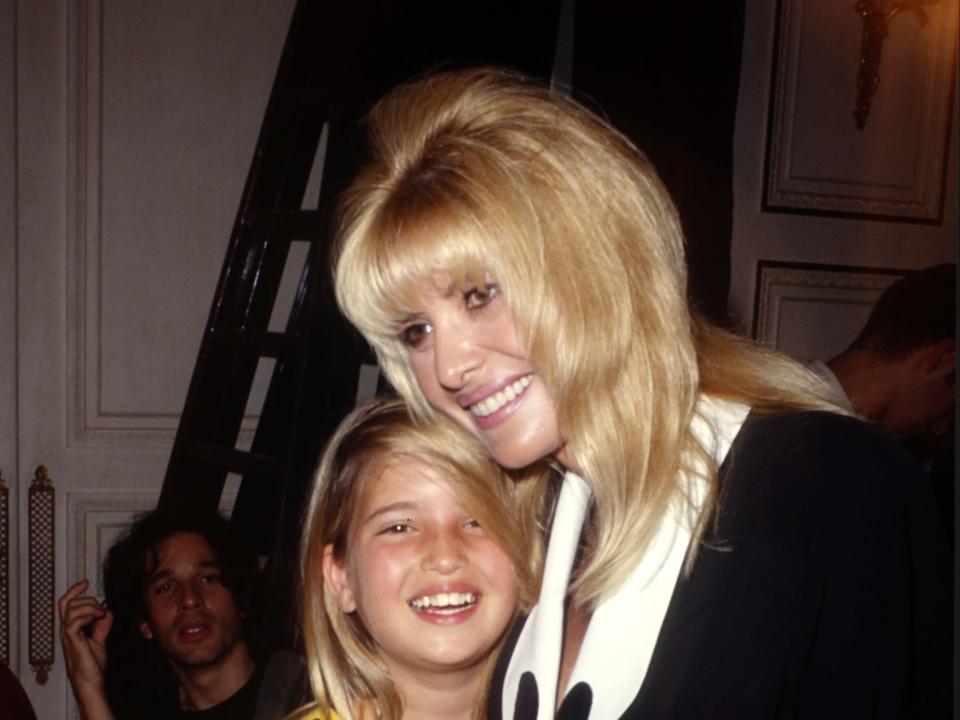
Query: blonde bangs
{"points": [[398, 242]]}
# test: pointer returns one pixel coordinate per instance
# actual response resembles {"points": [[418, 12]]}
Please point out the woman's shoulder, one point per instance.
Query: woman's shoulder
{"points": [[810, 425], [829, 443], [823, 464]]}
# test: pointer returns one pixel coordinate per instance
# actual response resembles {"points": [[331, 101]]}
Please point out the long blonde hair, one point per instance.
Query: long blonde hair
{"points": [[486, 174], [346, 673]]}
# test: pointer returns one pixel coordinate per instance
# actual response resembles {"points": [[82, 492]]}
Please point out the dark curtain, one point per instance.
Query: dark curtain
{"points": [[667, 74]]}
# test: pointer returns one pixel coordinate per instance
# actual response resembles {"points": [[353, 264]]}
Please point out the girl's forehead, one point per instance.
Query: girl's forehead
{"points": [[404, 479]]}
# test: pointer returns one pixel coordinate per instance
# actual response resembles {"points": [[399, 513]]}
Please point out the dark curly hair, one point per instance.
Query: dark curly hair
{"points": [[137, 671]]}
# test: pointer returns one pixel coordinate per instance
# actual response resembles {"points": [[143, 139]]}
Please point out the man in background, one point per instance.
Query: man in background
{"points": [[171, 639], [900, 371]]}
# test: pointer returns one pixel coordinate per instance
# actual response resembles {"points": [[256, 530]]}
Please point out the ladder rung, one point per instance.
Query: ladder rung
{"points": [[269, 344], [309, 99], [237, 461], [297, 224]]}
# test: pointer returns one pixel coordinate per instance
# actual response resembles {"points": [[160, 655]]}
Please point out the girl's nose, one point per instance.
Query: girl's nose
{"points": [[444, 552]]}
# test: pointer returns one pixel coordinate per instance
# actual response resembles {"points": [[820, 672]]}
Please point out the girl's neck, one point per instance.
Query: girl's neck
{"points": [[449, 694]]}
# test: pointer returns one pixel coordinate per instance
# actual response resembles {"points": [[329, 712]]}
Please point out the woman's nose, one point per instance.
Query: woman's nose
{"points": [[444, 553], [455, 356]]}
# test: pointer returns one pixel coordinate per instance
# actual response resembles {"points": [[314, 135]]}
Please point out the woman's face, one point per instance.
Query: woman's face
{"points": [[470, 363]]}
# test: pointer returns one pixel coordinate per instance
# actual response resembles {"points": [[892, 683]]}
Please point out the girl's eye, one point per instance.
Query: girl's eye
{"points": [[475, 298], [211, 579], [413, 335], [398, 528], [472, 524], [162, 588]]}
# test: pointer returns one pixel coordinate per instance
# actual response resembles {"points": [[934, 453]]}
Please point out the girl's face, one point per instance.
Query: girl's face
{"points": [[470, 363], [432, 589]]}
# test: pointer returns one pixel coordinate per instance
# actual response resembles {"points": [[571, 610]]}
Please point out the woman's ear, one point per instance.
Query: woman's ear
{"points": [[337, 579]]}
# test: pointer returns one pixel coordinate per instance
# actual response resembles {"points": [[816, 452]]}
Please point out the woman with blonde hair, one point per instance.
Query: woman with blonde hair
{"points": [[412, 568], [725, 542]]}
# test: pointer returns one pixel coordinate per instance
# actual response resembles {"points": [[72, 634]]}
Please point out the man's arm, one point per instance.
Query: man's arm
{"points": [[86, 655]]}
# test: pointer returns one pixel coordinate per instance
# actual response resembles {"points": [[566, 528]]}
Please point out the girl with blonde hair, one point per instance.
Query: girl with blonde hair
{"points": [[724, 542], [412, 568]]}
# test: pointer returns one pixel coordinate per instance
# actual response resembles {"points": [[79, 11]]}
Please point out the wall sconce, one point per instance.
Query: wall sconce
{"points": [[876, 16]]}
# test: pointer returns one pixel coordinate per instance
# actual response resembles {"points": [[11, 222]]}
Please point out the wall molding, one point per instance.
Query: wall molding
{"points": [[817, 161], [89, 423], [788, 295]]}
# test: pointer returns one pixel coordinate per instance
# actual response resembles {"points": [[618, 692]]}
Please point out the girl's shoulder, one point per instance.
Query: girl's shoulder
{"points": [[312, 712]]}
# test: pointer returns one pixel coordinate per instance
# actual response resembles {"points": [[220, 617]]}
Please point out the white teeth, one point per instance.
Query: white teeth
{"points": [[443, 600], [490, 405]]}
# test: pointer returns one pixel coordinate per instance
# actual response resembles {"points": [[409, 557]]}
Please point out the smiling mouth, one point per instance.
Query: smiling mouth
{"points": [[511, 392], [444, 603]]}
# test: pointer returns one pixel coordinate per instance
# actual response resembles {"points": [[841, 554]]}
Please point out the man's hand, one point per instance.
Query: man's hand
{"points": [[84, 626]]}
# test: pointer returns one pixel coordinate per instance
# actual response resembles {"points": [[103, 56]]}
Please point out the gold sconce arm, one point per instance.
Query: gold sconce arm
{"points": [[876, 16]]}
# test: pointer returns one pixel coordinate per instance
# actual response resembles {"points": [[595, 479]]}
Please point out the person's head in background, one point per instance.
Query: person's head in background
{"points": [[184, 594], [900, 370], [412, 566]]}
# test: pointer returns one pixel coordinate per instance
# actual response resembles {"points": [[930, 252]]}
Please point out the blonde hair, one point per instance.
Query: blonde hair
{"points": [[486, 174], [346, 673]]}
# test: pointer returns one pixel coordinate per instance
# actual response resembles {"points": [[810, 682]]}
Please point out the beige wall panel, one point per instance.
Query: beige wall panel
{"points": [[169, 98], [133, 125], [818, 158], [818, 237]]}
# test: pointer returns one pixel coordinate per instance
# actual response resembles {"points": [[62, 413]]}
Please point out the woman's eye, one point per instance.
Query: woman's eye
{"points": [[162, 588], [478, 297], [414, 335], [472, 523], [211, 579]]}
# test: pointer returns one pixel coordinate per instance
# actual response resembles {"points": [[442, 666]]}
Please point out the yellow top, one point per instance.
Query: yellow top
{"points": [[316, 714]]}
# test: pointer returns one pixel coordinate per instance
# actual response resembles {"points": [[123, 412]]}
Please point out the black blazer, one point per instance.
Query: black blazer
{"points": [[822, 590]]}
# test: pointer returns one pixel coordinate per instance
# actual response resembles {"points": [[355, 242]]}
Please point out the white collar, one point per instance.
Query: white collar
{"points": [[623, 630], [830, 377]]}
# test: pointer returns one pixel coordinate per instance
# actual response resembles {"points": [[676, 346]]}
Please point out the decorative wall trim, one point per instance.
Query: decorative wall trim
{"points": [[791, 299], [42, 618], [817, 160], [89, 424], [4, 572], [93, 522]]}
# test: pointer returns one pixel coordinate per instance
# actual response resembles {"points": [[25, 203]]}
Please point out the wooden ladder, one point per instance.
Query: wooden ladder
{"points": [[337, 59]]}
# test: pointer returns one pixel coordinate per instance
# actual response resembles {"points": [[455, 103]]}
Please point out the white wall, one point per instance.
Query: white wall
{"points": [[126, 133], [759, 235]]}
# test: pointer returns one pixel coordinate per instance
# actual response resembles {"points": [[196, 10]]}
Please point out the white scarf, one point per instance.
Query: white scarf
{"points": [[623, 630]]}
